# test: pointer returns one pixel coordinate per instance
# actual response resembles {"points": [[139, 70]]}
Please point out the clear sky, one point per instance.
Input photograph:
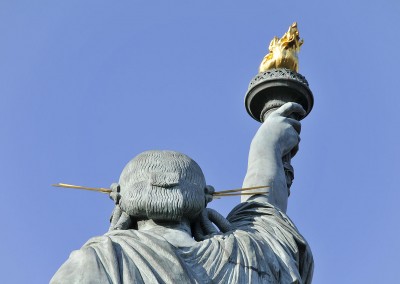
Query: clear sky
{"points": [[87, 85]]}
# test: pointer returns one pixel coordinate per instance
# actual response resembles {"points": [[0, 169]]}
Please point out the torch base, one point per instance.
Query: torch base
{"points": [[270, 89]]}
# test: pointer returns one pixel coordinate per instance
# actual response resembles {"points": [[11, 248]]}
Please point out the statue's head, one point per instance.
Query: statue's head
{"points": [[162, 185]]}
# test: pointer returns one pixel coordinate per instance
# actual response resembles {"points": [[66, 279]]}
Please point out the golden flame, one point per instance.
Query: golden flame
{"points": [[283, 52]]}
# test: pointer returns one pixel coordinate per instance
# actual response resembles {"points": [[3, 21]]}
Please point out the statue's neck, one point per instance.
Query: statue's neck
{"points": [[177, 234]]}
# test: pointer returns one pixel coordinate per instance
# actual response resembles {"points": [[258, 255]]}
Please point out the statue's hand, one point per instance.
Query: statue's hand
{"points": [[281, 131]]}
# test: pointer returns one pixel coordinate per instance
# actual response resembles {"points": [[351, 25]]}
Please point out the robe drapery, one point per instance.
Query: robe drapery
{"points": [[263, 247]]}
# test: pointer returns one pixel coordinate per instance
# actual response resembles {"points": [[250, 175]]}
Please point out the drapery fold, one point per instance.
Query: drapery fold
{"points": [[263, 247]]}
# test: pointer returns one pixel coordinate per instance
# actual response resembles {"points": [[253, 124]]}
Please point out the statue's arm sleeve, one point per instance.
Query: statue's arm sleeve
{"points": [[279, 232]]}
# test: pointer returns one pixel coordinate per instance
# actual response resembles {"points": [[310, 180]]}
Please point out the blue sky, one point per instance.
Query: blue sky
{"points": [[87, 85]]}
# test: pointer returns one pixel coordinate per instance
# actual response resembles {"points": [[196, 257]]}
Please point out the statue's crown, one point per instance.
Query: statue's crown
{"points": [[283, 51]]}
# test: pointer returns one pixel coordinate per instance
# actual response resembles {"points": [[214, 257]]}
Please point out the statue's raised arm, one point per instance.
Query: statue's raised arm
{"points": [[276, 137]]}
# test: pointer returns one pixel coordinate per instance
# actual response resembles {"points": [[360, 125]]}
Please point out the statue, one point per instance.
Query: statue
{"points": [[161, 230]]}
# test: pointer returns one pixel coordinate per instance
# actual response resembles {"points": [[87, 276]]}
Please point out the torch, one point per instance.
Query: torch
{"points": [[279, 82]]}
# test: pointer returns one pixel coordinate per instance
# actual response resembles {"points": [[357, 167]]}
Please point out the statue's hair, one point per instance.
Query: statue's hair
{"points": [[166, 186], [162, 185]]}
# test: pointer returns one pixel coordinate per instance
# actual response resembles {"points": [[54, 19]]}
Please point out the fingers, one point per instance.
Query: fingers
{"points": [[124, 222], [290, 108], [295, 123], [120, 220], [289, 141], [115, 217]]}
